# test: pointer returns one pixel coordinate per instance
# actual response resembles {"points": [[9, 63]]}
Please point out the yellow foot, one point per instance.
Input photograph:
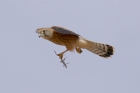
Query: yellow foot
{"points": [[62, 60], [78, 50], [60, 55]]}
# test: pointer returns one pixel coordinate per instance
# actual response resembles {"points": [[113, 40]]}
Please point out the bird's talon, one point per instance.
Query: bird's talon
{"points": [[62, 59], [79, 50], [60, 55]]}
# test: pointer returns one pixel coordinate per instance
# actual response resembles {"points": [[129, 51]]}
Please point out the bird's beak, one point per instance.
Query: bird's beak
{"points": [[39, 35]]}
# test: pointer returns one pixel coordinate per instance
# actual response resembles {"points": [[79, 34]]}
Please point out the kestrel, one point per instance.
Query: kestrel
{"points": [[71, 40]]}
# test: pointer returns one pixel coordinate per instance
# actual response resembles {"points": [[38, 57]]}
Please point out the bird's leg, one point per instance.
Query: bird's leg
{"points": [[61, 57], [78, 50], [61, 54]]}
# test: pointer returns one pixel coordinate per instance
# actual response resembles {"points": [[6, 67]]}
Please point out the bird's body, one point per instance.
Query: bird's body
{"points": [[64, 40], [71, 41]]}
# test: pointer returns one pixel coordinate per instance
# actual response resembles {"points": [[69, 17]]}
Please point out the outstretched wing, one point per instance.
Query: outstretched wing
{"points": [[63, 31]]}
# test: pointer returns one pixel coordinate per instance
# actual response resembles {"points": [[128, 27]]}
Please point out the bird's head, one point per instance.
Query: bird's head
{"points": [[45, 32]]}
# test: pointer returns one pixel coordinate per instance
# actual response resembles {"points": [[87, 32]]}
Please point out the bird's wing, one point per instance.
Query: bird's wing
{"points": [[63, 31]]}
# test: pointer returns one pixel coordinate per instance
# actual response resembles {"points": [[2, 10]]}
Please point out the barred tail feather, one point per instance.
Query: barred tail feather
{"points": [[103, 50]]}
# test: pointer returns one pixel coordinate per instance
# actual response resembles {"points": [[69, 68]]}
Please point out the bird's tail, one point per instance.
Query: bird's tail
{"points": [[103, 50]]}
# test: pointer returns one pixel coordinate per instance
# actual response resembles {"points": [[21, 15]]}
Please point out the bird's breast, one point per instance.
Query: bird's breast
{"points": [[63, 39]]}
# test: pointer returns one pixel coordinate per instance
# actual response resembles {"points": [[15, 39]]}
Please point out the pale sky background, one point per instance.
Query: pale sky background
{"points": [[28, 64]]}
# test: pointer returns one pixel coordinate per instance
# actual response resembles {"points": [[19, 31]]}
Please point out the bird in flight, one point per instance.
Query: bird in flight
{"points": [[71, 40]]}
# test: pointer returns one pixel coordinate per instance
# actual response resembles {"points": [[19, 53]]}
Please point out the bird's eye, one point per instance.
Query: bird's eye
{"points": [[43, 31]]}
